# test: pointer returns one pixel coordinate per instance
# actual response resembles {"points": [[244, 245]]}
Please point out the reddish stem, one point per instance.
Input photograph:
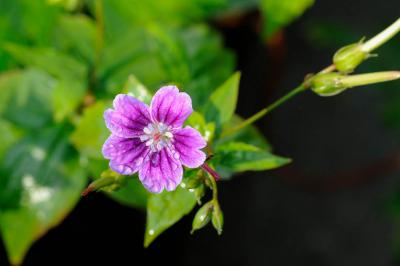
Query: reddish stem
{"points": [[87, 191], [211, 171]]}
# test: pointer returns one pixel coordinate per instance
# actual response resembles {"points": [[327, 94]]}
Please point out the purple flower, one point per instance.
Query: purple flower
{"points": [[151, 140]]}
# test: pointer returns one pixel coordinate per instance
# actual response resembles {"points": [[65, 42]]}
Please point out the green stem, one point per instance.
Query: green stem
{"points": [[264, 111], [99, 15], [214, 188]]}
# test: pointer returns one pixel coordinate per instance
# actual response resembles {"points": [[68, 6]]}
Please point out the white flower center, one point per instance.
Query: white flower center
{"points": [[157, 136]]}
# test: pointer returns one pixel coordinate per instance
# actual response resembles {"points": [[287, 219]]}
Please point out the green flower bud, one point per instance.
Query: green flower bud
{"points": [[108, 181], [349, 57], [327, 84], [202, 217], [369, 78], [217, 219]]}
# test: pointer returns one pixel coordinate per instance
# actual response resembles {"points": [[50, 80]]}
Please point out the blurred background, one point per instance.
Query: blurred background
{"points": [[338, 203]]}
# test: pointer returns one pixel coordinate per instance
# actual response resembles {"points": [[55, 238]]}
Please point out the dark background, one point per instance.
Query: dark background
{"points": [[327, 208]]}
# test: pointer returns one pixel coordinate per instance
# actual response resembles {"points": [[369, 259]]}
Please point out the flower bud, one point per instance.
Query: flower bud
{"points": [[349, 57], [108, 181], [217, 219], [203, 216], [369, 78], [327, 84]]}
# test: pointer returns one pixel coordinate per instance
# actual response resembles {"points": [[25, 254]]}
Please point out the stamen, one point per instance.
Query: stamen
{"points": [[157, 136]]}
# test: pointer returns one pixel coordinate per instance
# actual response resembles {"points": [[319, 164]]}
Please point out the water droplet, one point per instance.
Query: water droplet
{"points": [[151, 232], [176, 155], [38, 153]]}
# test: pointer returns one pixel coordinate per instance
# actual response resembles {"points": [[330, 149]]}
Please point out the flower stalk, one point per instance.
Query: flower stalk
{"points": [[382, 37], [264, 111], [327, 82]]}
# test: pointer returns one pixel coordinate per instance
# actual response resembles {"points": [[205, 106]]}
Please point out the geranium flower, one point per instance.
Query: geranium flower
{"points": [[151, 140]]}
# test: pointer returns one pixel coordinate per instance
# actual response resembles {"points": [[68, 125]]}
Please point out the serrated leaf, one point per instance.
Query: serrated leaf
{"points": [[192, 58], [234, 157], [91, 131], [279, 13], [40, 183], [165, 209], [222, 102]]}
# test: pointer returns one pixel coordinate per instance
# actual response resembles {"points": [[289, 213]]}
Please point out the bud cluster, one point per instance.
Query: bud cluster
{"points": [[210, 211], [347, 59]]}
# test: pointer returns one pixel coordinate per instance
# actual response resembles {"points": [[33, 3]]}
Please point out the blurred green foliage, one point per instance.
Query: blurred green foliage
{"points": [[63, 61]]}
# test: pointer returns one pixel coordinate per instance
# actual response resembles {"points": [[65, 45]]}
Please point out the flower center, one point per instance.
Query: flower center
{"points": [[157, 136]]}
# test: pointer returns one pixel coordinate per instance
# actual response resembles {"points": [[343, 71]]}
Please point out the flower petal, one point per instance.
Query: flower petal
{"points": [[129, 117], [188, 142], [170, 106], [126, 154], [161, 171]]}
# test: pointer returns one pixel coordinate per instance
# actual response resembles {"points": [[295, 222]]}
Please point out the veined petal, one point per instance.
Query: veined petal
{"points": [[171, 107], [161, 171], [129, 117], [188, 142], [126, 154]]}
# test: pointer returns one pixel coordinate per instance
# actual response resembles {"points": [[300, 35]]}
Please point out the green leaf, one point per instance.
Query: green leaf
{"points": [[197, 121], [26, 99], [91, 131], [250, 135], [76, 34], [132, 194], [18, 16], [41, 182], [125, 55], [10, 134], [49, 60], [67, 4], [279, 13], [165, 209], [192, 58], [67, 96], [233, 157], [30, 97], [222, 102], [137, 89]]}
